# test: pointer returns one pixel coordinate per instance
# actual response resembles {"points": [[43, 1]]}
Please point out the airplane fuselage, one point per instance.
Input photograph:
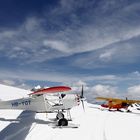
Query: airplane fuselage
{"points": [[112, 105], [40, 103]]}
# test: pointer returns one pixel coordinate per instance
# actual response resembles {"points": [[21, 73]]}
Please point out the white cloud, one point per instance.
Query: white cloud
{"points": [[107, 55], [8, 82], [136, 73], [7, 34], [57, 45], [91, 92], [104, 90], [134, 92], [54, 76], [39, 76], [104, 78], [80, 83], [134, 89], [14, 82]]}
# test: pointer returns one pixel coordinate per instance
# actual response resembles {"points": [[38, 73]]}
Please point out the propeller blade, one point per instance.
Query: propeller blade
{"points": [[82, 97], [83, 105], [82, 93]]}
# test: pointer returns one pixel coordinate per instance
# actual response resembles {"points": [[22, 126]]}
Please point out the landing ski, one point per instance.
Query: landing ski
{"points": [[70, 125]]}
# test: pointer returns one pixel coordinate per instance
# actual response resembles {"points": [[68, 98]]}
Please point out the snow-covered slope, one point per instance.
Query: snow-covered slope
{"points": [[94, 124], [8, 93]]}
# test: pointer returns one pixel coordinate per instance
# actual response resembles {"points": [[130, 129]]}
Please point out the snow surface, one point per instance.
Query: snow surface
{"points": [[9, 93], [94, 124]]}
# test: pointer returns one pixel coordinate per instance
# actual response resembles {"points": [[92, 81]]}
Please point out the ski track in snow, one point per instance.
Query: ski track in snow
{"points": [[100, 127], [99, 124]]}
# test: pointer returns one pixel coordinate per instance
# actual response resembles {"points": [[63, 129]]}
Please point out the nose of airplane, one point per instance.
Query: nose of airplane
{"points": [[78, 99]]}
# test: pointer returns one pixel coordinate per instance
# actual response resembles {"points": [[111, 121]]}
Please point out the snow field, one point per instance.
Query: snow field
{"points": [[94, 124]]}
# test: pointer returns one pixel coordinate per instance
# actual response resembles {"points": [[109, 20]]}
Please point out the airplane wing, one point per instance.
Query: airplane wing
{"points": [[108, 99], [132, 101], [51, 90], [118, 100]]}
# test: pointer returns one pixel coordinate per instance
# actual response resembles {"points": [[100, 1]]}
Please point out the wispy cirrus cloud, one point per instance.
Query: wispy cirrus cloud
{"points": [[57, 45], [32, 38], [30, 42], [93, 40]]}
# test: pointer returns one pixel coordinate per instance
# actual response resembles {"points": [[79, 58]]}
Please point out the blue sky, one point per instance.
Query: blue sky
{"points": [[68, 42]]}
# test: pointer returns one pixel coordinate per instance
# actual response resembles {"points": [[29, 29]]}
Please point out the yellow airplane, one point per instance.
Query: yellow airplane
{"points": [[116, 103]]}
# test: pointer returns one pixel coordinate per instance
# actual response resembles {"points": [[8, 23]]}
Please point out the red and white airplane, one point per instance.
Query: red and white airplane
{"points": [[47, 100]]}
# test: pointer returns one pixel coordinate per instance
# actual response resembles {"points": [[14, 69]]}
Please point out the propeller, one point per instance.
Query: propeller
{"points": [[82, 97]]}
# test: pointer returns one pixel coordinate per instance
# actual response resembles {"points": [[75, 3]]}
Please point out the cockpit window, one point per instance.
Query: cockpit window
{"points": [[63, 95]]}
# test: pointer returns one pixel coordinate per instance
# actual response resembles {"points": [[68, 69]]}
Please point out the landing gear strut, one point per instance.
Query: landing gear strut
{"points": [[59, 115]]}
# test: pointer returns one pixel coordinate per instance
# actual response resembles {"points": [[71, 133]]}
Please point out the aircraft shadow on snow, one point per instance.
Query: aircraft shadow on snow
{"points": [[20, 127]]}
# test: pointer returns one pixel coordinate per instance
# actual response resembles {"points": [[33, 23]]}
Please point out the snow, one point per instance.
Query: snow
{"points": [[9, 93], [94, 124]]}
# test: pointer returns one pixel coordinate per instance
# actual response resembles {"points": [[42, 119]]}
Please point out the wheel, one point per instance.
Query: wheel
{"points": [[63, 122], [60, 115]]}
